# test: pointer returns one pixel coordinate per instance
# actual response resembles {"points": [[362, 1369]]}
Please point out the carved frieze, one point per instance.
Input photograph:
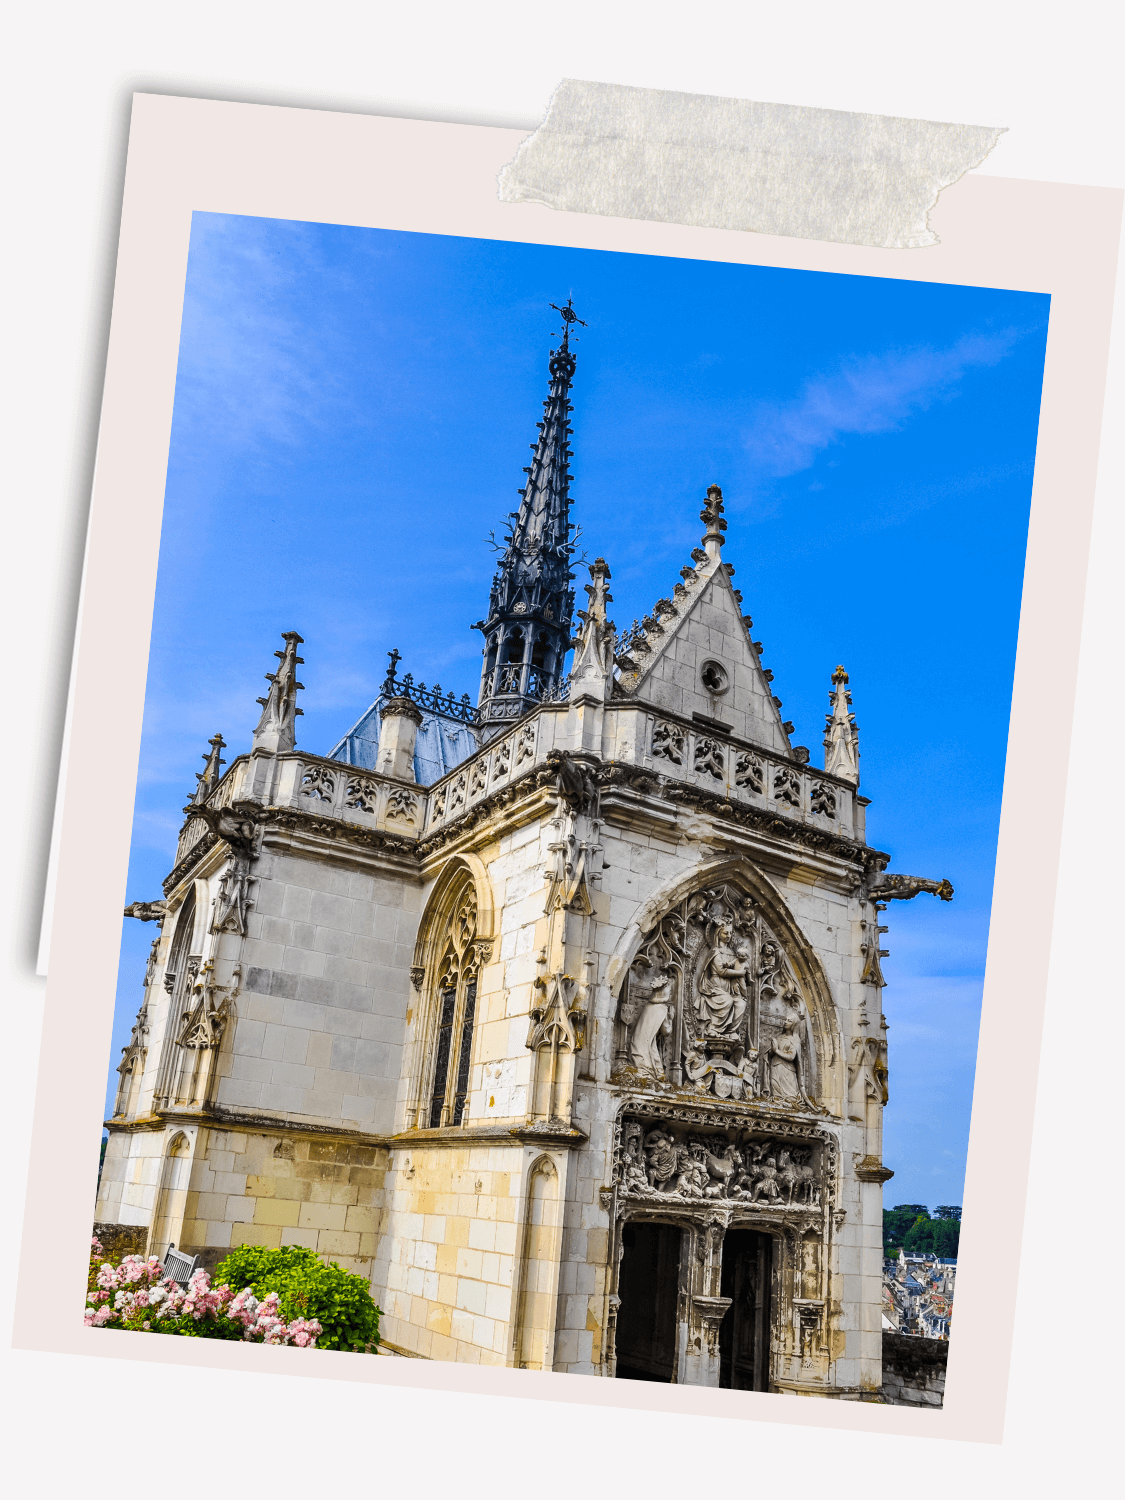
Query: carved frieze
{"points": [[502, 760], [525, 744], [787, 786], [669, 1160], [822, 799]]}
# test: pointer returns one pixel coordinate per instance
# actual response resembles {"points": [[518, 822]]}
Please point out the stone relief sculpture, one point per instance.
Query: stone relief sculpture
{"points": [[782, 1066], [649, 1010], [710, 1002], [721, 987], [669, 1161]]}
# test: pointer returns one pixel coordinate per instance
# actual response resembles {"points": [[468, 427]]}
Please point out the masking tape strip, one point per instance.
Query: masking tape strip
{"points": [[817, 174]]}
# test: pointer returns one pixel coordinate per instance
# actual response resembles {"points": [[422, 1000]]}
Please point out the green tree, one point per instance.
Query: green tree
{"points": [[897, 1223]]}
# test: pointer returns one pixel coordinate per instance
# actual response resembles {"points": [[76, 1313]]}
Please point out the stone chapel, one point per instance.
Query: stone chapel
{"points": [[557, 1017]]}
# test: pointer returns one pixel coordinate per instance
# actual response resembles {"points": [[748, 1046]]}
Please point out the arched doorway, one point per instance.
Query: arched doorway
{"points": [[744, 1334], [648, 1286]]}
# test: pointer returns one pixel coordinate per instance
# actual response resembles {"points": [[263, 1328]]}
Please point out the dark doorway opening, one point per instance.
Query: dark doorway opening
{"points": [[649, 1292], [744, 1334]]}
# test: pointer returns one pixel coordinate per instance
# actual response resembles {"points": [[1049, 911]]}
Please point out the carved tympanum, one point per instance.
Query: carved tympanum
{"points": [[711, 1002]]}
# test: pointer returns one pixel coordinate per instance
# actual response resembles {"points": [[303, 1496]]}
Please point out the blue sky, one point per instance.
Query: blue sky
{"points": [[353, 410]]}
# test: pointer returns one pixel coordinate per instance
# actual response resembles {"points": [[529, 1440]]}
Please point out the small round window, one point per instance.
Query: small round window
{"points": [[714, 677]]}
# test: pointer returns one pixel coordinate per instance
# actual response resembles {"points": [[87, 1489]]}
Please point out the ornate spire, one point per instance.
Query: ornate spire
{"points": [[527, 628], [208, 778], [841, 738], [277, 728]]}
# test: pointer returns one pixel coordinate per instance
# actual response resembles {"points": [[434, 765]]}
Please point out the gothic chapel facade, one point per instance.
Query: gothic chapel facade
{"points": [[557, 1017]]}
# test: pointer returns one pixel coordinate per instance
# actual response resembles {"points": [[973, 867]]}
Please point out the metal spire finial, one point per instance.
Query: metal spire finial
{"points": [[569, 316]]}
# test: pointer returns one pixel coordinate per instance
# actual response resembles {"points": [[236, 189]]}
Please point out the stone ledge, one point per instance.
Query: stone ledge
{"points": [[219, 1117], [531, 1134]]}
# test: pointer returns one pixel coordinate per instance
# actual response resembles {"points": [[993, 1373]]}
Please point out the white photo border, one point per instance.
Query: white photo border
{"points": [[265, 161]]}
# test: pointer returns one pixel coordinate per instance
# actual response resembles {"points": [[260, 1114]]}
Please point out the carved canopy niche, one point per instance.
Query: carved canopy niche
{"points": [[725, 996]]}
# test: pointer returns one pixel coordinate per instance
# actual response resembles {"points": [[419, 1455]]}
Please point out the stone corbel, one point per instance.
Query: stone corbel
{"points": [[871, 1169], [711, 1311]]}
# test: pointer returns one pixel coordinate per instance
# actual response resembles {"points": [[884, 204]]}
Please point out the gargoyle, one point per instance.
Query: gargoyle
{"points": [[235, 824], [575, 782], [905, 887], [148, 911]]}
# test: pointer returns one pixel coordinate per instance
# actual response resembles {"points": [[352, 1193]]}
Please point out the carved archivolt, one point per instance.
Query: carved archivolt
{"points": [[711, 1001]]}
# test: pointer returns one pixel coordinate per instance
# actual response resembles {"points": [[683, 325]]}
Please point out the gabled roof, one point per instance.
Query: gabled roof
{"points": [[693, 654]]}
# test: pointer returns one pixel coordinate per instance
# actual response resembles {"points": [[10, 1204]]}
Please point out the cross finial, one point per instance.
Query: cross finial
{"points": [[569, 316], [395, 658]]}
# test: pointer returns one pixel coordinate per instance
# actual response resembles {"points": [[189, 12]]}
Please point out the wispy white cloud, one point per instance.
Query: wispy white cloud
{"points": [[254, 370], [872, 394]]}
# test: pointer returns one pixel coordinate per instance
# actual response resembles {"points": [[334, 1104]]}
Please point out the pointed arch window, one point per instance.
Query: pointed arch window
{"points": [[458, 975]]}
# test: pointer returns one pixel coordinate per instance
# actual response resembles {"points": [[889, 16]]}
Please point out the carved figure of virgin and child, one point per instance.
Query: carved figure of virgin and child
{"points": [[720, 991]]}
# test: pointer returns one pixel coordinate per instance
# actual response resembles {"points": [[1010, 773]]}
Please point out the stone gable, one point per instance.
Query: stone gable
{"points": [[708, 629]]}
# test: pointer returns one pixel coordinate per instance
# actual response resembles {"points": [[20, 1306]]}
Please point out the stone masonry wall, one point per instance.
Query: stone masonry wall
{"points": [[913, 1370], [446, 1266], [265, 1189], [325, 987]]}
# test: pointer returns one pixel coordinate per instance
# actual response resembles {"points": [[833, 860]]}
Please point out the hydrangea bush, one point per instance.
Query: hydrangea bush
{"points": [[136, 1294]]}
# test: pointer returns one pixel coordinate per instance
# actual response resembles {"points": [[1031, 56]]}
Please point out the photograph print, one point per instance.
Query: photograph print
{"points": [[508, 975]]}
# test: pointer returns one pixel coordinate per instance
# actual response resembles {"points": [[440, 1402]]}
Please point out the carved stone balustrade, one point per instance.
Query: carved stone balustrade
{"points": [[330, 789]]}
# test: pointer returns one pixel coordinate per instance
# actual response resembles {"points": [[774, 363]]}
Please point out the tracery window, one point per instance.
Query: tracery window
{"points": [[456, 989]]}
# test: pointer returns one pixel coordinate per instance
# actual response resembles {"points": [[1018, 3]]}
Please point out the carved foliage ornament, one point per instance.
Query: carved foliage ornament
{"points": [[709, 758], [749, 772], [318, 783], [710, 1001], [668, 741], [360, 795]]}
